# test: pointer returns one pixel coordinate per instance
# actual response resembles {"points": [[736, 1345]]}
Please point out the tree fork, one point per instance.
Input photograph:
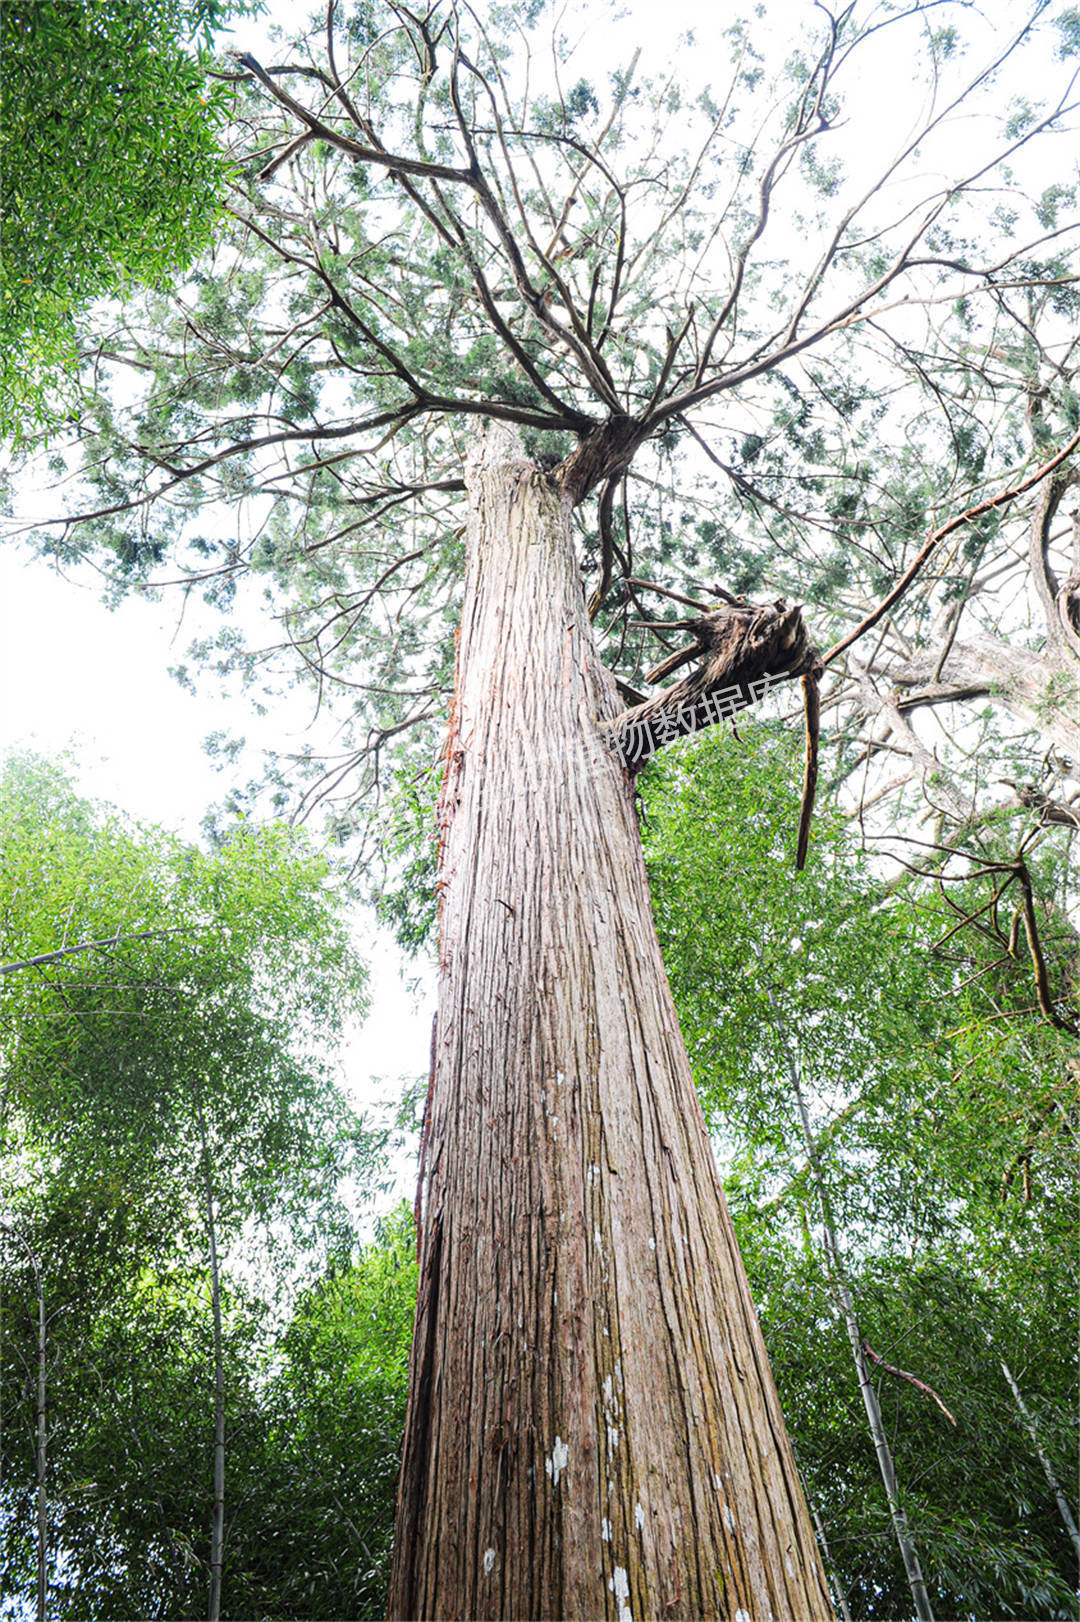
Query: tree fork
{"points": [[593, 1429]]}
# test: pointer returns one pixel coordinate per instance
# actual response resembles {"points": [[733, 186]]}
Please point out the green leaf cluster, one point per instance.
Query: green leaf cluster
{"points": [[941, 1110], [167, 1088], [113, 175]]}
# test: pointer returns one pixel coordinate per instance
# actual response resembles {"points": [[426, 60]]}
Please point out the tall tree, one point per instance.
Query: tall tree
{"points": [[587, 1399], [429, 236], [164, 1101]]}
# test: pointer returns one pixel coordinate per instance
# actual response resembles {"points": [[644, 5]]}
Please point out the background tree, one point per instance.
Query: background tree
{"points": [[336, 1412], [169, 1119], [927, 1199]]}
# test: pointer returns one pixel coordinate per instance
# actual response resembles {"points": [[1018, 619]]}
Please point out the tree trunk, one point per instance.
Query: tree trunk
{"points": [[217, 1508], [217, 1513], [41, 1454], [593, 1430]]}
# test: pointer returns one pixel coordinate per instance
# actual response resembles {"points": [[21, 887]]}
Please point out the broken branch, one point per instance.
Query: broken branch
{"points": [[743, 651], [902, 1374]]}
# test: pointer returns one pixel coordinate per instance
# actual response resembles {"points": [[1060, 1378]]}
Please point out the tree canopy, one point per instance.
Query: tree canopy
{"points": [[113, 174], [780, 360], [176, 1161]]}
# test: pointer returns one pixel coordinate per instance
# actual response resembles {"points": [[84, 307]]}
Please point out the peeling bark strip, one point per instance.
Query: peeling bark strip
{"points": [[744, 650], [593, 1430]]}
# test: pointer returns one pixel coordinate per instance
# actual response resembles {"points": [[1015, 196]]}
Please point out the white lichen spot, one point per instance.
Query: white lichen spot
{"points": [[609, 1391], [557, 1463], [613, 1437], [743, 1616], [559, 1078], [717, 1483], [605, 1530], [598, 1238], [652, 1242], [639, 1517], [620, 1587], [729, 1519], [554, 1119], [489, 1561], [593, 1174]]}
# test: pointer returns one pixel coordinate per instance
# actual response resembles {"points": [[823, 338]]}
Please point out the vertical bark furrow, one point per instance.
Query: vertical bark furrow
{"points": [[603, 1438]]}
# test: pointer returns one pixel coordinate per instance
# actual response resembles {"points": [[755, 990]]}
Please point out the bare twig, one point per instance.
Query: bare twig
{"points": [[1000, 500], [902, 1374]]}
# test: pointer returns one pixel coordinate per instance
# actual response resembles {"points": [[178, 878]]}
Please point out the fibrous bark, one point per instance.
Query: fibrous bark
{"points": [[743, 648], [593, 1430]]}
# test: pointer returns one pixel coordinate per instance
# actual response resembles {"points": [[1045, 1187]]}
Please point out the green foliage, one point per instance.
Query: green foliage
{"points": [[407, 900], [131, 1427], [940, 1110], [719, 840], [112, 174], [986, 1525], [315, 1413], [337, 1414], [177, 1067], [1068, 25], [247, 973]]}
